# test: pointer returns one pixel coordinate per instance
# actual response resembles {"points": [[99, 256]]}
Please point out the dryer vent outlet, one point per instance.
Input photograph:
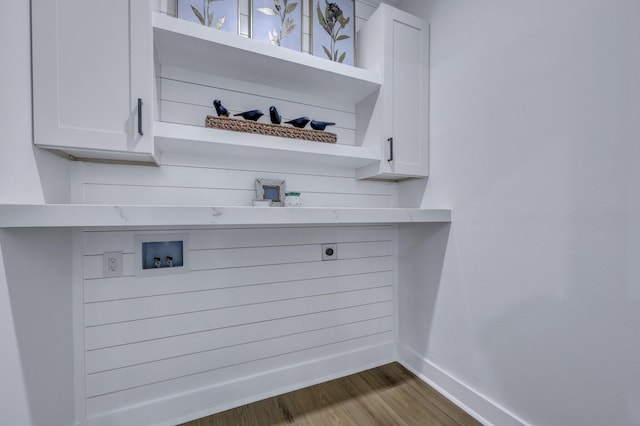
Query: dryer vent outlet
{"points": [[330, 251]]}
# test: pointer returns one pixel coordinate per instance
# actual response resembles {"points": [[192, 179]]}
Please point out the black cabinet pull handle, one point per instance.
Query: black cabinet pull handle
{"points": [[140, 117], [390, 140]]}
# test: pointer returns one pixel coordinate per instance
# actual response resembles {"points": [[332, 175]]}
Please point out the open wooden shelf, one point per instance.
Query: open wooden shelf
{"points": [[205, 141], [192, 46], [87, 215]]}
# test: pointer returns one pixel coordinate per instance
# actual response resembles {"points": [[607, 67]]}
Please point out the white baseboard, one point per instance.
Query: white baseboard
{"points": [[215, 399], [475, 404]]}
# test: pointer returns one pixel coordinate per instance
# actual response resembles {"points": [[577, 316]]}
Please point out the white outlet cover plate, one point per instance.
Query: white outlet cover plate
{"points": [[112, 264]]}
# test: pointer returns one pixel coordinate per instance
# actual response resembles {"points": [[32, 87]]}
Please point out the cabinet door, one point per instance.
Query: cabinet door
{"points": [[408, 77], [92, 60], [396, 44]]}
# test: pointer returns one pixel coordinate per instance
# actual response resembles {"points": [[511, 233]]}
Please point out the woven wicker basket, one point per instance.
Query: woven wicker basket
{"points": [[269, 129]]}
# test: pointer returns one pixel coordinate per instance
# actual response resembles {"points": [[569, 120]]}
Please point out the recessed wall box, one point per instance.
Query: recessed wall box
{"points": [[161, 254]]}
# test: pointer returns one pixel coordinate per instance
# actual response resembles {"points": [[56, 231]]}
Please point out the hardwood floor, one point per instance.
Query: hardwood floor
{"points": [[387, 395]]}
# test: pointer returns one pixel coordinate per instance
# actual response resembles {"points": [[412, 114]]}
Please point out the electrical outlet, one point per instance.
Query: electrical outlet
{"points": [[112, 264], [330, 251]]}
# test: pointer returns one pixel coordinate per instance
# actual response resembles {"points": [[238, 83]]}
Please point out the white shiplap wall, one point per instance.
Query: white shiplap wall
{"points": [[259, 313], [186, 97], [255, 302], [222, 182]]}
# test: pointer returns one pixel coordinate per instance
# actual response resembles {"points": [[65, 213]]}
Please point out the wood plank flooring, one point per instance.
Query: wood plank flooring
{"points": [[387, 395]]}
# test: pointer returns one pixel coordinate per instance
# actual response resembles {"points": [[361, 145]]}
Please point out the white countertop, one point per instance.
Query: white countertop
{"points": [[89, 215]]}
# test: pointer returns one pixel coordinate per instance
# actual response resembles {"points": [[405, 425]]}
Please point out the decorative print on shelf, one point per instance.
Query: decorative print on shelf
{"points": [[271, 189], [277, 22], [333, 30], [219, 14], [269, 129], [292, 199]]}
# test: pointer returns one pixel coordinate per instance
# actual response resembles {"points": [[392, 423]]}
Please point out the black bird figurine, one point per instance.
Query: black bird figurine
{"points": [[275, 117], [222, 111], [299, 122], [252, 115], [320, 125]]}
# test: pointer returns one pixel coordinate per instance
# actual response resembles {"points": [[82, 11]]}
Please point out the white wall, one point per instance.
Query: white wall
{"points": [[14, 407], [535, 125], [37, 266], [26, 176], [18, 169]]}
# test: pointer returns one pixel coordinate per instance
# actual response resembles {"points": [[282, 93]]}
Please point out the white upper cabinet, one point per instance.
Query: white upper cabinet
{"points": [[92, 61], [396, 119]]}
